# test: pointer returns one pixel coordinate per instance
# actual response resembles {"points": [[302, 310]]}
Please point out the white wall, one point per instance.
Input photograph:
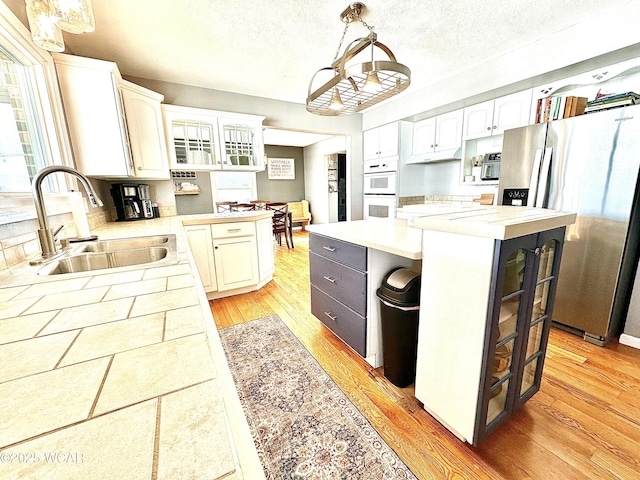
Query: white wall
{"points": [[316, 180]]}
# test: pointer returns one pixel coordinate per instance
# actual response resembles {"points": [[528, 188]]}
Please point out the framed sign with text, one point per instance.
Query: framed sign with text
{"points": [[281, 168]]}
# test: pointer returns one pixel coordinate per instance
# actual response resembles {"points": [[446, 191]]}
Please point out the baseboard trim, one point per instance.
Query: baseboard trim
{"points": [[630, 340]]}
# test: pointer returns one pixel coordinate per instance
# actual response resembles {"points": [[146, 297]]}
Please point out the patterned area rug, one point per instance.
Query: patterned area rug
{"points": [[303, 425]]}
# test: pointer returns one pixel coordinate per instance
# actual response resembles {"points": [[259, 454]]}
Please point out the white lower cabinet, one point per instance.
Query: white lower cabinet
{"points": [[264, 237], [236, 262], [199, 237], [232, 257]]}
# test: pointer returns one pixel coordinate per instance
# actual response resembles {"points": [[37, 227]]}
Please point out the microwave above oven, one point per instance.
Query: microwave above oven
{"points": [[380, 183]]}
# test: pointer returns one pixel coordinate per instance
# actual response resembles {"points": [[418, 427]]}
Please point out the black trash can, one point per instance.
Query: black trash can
{"points": [[399, 296]]}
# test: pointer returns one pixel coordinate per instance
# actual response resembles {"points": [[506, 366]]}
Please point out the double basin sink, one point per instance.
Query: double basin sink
{"points": [[116, 253]]}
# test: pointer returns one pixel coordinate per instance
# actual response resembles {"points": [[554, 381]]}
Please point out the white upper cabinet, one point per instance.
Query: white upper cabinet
{"points": [[200, 139], [437, 134], [146, 131], [448, 131], [114, 127], [192, 138], [241, 142], [496, 116], [381, 142], [424, 135]]}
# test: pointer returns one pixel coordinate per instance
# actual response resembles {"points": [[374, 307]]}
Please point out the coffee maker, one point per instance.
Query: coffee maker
{"points": [[132, 201]]}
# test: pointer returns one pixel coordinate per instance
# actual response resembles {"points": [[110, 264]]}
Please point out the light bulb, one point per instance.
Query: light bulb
{"points": [[372, 83], [336, 101], [75, 16], [42, 23]]}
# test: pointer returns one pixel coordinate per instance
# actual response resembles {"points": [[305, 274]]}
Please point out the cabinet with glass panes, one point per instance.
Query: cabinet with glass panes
{"points": [[486, 310], [201, 139], [242, 143], [192, 137], [520, 319]]}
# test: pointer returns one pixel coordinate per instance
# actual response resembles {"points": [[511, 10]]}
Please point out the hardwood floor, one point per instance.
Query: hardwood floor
{"points": [[584, 422]]}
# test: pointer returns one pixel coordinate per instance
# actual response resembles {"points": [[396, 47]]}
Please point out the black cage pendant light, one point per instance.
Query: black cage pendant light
{"points": [[357, 86]]}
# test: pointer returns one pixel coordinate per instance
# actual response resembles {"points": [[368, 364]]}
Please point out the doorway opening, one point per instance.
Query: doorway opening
{"points": [[342, 187]]}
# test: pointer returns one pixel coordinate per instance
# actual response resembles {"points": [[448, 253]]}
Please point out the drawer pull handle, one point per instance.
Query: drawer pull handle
{"points": [[329, 279], [233, 230], [331, 249], [331, 316]]}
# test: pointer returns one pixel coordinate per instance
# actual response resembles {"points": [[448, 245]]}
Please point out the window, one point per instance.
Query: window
{"points": [[21, 143], [235, 186]]}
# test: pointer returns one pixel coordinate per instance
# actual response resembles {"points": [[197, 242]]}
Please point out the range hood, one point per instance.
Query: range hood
{"points": [[432, 157]]}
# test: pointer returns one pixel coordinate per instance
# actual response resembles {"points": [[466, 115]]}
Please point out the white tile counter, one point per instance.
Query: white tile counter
{"points": [[118, 374]]}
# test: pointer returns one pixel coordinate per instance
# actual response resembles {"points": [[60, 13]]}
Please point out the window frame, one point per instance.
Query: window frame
{"points": [[49, 112]]}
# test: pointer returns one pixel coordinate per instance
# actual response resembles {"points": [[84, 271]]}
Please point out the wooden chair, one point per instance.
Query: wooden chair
{"points": [[242, 207], [260, 204], [281, 223], [222, 207]]}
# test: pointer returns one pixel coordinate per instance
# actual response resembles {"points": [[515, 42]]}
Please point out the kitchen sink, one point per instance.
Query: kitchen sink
{"points": [[86, 262], [115, 254], [126, 243]]}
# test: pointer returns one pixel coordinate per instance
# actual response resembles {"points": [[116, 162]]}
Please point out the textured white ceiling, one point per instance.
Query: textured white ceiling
{"points": [[272, 48]]}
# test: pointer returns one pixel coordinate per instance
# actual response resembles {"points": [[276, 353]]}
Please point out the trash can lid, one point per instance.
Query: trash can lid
{"points": [[400, 287]]}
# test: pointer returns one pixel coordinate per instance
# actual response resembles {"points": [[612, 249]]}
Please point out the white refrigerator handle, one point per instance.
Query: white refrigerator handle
{"points": [[543, 183]]}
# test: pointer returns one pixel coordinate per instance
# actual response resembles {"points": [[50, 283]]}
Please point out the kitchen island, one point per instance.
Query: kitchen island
{"points": [[118, 374], [488, 279]]}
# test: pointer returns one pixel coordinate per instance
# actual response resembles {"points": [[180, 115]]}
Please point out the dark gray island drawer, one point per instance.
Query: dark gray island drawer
{"points": [[342, 252], [345, 284], [344, 322]]}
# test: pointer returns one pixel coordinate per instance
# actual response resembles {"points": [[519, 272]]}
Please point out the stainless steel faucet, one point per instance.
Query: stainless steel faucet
{"points": [[45, 234]]}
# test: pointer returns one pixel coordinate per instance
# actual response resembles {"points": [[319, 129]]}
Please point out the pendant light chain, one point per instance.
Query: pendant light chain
{"points": [[357, 17], [344, 33]]}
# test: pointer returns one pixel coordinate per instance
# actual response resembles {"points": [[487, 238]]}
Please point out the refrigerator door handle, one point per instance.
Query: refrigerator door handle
{"points": [[535, 175], [543, 182]]}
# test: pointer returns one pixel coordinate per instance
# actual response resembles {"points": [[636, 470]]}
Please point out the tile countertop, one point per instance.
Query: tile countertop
{"points": [[388, 235], [118, 375], [499, 222]]}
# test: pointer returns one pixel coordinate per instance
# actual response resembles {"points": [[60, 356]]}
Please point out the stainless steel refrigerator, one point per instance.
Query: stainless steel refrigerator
{"points": [[588, 165]]}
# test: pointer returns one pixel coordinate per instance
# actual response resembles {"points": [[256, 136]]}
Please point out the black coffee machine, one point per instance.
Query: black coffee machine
{"points": [[132, 201]]}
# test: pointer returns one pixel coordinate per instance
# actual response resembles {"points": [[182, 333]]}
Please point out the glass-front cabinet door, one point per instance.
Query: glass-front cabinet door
{"points": [[242, 144], [519, 321], [192, 138], [537, 322], [509, 304], [194, 143]]}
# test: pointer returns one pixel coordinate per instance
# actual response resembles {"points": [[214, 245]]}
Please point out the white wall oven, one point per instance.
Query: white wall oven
{"points": [[380, 188], [380, 183], [379, 206]]}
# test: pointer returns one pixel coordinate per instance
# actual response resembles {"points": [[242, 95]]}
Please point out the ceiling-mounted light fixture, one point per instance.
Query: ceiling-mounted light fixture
{"points": [[357, 86], [47, 19], [336, 102]]}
